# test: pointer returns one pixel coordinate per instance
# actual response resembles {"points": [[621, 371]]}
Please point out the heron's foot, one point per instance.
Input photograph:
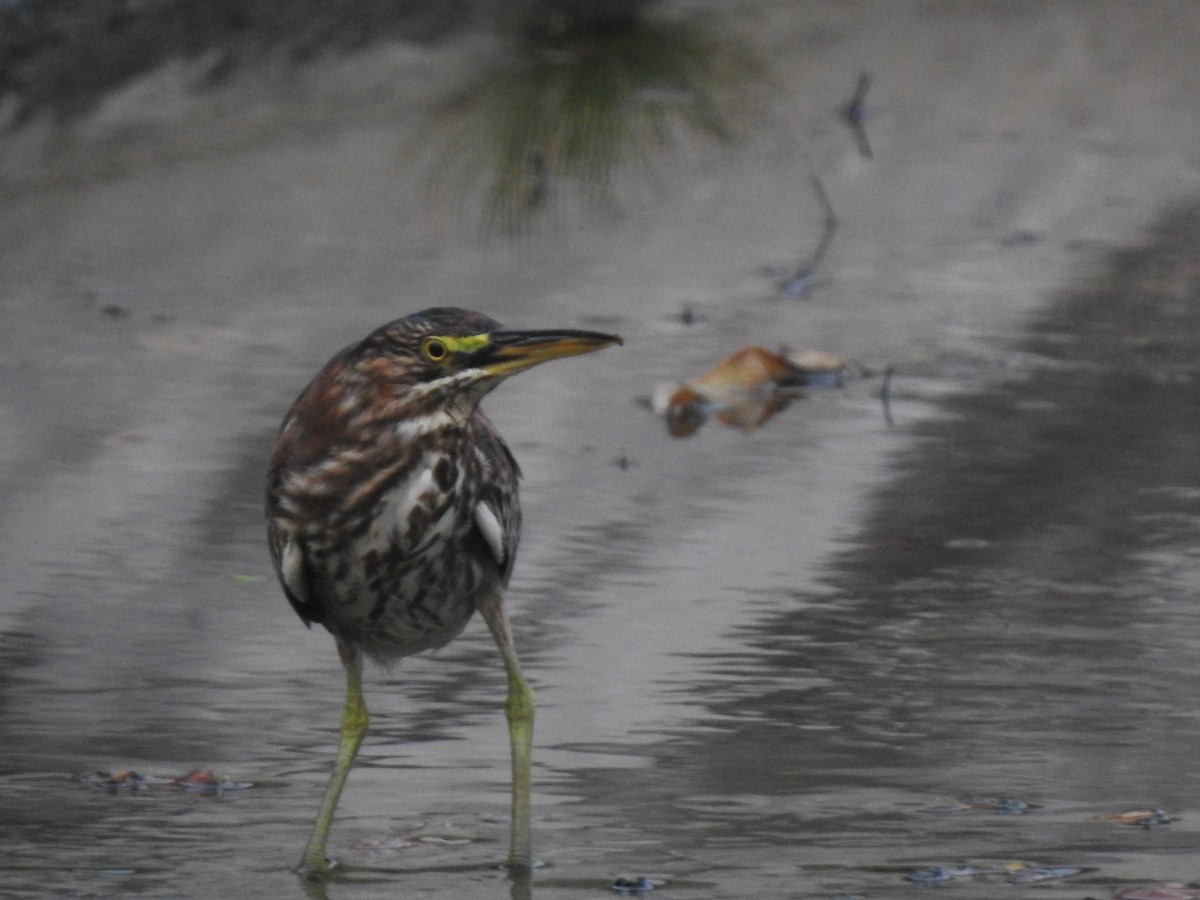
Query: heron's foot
{"points": [[319, 868], [518, 869], [521, 868]]}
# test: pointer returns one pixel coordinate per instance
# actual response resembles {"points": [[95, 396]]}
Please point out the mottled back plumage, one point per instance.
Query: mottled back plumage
{"points": [[392, 506]]}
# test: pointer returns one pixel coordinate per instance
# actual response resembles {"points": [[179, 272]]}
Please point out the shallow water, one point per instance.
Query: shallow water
{"points": [[757, 657]]}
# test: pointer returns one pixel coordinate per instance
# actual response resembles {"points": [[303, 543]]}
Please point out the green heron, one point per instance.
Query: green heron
{"points": [[393, 513]]}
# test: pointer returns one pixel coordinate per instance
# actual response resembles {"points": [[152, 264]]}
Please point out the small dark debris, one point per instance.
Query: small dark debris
{"points": [[1007, 805], [639, 885], [1157, 818], [201, 780], [1022, 238], [114, 781], [1020, 873], [1145, 818], [939, 874], [885, 396], [1170, 890], [854, 113]]}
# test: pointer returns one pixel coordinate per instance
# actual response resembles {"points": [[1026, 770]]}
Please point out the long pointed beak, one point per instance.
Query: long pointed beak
{"points": [[508, 352]]}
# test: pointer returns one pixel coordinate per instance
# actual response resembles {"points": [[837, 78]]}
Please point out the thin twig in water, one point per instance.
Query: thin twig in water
{"points": [[885, 395], [802, 280], [855, 114]]}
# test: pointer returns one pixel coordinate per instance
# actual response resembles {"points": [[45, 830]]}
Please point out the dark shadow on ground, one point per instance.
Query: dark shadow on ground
{"points": [[62, 56]]}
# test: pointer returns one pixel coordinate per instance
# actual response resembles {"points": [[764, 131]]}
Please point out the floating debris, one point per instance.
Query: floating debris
{"points": [[1006, 805], [746, 389], [206, 780], [1146, 818], [637, 885], [1168, 890], [201, 780], [1023, 873], [939, 874], [113, 781], [1014, 872]]}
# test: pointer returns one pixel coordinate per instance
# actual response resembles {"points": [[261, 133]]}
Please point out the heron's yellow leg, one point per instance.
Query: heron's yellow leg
{"points": [[315, 864], [518, 708]]}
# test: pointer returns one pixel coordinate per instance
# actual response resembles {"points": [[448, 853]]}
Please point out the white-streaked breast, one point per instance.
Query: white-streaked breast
{"points": [[409, 429]]}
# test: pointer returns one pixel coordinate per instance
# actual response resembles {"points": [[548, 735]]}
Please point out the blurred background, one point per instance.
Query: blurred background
{"points": [[868, 645]]}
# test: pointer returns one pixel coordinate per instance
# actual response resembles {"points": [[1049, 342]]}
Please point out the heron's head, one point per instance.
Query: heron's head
{"points": [[440, 362], [457, 356], [415, 376]]}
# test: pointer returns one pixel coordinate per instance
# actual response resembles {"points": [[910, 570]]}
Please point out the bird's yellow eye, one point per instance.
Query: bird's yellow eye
{"points": [[435, 350]]}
